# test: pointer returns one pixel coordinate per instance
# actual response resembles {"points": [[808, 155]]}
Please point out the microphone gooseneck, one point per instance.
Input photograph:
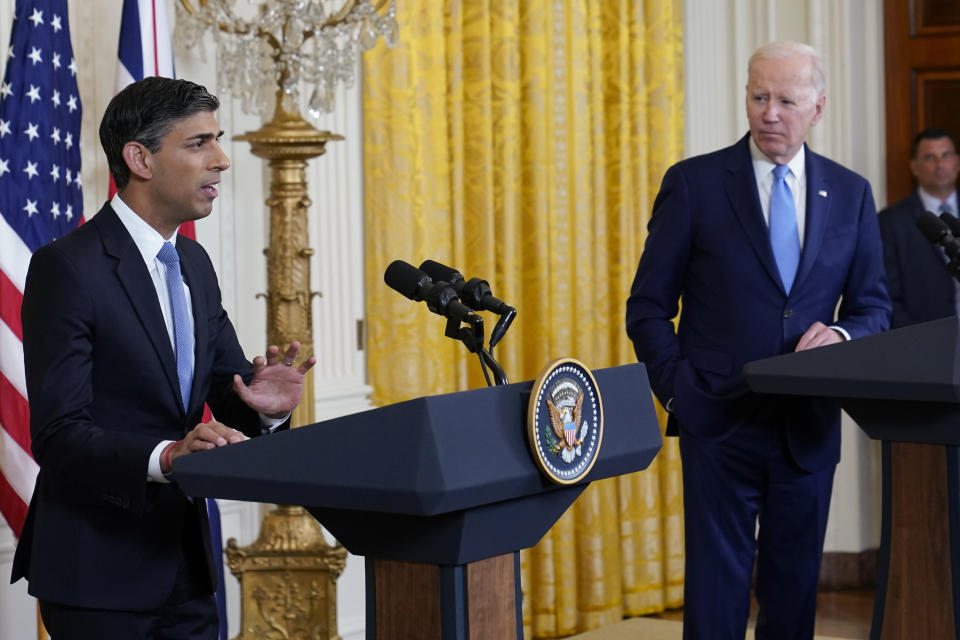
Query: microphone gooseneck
{"points": [[476, 294], [448, 294]]}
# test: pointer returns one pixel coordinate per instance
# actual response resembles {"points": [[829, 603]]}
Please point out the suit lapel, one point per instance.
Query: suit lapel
{"points": [[817, 214], [136, 282], [741, 188]]}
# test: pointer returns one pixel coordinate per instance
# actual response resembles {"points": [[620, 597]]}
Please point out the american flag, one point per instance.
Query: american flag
{"points": [[40, 200]]}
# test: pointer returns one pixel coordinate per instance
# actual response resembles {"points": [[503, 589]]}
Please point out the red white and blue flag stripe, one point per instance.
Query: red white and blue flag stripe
{"points": [[40, 200], [145, 49]]}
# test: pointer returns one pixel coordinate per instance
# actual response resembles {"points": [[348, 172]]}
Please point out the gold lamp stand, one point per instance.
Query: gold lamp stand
{"points": [[288, 576]]}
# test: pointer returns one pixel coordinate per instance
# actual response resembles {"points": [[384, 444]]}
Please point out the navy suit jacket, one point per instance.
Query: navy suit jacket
{"points": [[102, 383], [708, 243], [920, 287]]}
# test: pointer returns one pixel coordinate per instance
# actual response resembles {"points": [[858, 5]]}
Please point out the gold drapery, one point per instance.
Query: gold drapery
{"points": [[523, 142]]}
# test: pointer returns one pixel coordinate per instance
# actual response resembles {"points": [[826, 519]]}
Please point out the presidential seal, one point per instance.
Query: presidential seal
{"points": [[565, 421]]}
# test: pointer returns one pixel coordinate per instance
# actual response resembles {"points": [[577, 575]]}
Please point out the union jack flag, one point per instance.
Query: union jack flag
{"points": [[40, 200]]}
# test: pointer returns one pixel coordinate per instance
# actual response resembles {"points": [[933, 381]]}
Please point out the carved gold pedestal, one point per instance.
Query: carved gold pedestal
{"points": [[288, 141], [288, 579]]}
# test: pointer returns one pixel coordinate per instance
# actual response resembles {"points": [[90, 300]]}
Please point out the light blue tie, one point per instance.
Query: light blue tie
{"points": [[784, 237], [182, 337]]}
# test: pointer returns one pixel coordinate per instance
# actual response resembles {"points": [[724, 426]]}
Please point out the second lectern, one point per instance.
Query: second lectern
{"points": [[903, 388], [438, 493]]}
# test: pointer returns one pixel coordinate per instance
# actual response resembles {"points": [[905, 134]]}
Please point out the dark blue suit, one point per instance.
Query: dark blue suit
{"points": [[920, 287], [101, 377], [708, 243]]}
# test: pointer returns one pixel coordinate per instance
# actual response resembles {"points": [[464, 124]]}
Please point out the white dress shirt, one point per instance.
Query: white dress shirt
{"points": [[932, 203], [148, 241]]}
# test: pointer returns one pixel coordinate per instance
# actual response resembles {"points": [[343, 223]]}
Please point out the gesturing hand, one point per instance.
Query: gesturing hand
{"points": [[277, 385]]}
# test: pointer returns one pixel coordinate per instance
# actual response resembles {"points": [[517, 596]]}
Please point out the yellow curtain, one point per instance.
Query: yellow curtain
{"points": [[522, 142]]}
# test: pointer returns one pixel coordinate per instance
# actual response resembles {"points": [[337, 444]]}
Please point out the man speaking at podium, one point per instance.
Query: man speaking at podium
{"points": [[124, 341], [761, 240]]}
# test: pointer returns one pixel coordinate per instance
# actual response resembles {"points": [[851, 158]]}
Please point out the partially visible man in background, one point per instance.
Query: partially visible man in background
{"points": [[920, 287]]}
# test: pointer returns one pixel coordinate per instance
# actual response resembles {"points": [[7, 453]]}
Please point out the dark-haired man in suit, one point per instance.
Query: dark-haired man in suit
{"points": [[761, 240], [125, 339], [920, 287]]}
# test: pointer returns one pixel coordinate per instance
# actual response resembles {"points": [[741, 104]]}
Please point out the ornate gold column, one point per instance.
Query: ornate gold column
{"points": [[287, 142], [288, 576]]}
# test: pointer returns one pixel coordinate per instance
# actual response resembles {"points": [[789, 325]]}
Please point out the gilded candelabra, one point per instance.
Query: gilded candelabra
{"points": [[288, 575]]}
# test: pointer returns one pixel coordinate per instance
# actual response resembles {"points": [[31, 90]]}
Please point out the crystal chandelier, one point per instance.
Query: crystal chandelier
{"points": [[267, 55]]}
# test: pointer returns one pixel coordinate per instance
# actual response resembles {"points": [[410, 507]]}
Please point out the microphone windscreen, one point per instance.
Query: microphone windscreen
{"points": [[931, 226], [407, 279], [438, 271], [953, 223]]}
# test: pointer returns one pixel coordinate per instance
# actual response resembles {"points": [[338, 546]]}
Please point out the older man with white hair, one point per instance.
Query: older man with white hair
{"points": [[762, 241]]}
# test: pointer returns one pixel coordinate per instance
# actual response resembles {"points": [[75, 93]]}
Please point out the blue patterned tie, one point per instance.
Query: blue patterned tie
{"points": [[182, 337], [784, 237]]}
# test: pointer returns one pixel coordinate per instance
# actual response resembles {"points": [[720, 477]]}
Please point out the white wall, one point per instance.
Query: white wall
{"points": [[719, 36]]}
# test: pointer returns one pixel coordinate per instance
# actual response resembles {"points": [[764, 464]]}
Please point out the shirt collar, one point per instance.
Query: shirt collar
{"points": [[762, 165], [147, 239], [932, 203]]}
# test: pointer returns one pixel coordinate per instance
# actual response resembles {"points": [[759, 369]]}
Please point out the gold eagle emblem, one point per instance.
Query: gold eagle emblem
{"points": [[566, 425]]}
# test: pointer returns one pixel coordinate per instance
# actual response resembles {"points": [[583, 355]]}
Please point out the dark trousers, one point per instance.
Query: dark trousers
{"points": [[191, 620], [189, 613], [729, 487]]}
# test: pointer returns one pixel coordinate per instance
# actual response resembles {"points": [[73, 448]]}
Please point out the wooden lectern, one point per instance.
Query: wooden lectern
{"points": [[438, 493], [901, 387]]}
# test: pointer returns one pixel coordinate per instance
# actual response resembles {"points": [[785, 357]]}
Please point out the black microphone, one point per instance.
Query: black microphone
{"points": [[441, 297], [475, 293], [937, 232], [408, 280], [953, 222]]}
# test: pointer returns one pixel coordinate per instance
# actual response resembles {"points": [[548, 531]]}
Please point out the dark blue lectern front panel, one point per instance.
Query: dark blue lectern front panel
{"points": [[444, 479]]}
